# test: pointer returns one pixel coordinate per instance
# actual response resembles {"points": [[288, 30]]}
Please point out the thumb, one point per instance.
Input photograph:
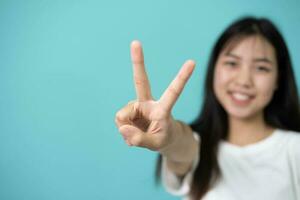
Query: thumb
{"points": [[136, 137]]}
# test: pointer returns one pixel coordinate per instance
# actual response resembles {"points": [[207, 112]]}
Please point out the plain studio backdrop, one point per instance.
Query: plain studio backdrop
{"points": [[65, 70]]}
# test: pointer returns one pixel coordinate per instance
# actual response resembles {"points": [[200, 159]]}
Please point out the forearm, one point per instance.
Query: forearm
{"points": [[183, 151]]}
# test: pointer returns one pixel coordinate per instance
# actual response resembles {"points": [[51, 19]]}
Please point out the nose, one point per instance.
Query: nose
{"points": [[244, 77]]}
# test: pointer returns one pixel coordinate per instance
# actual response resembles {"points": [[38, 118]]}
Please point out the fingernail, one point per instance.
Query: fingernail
{"points": [[128, 143], [124, 137], [125, 132]]}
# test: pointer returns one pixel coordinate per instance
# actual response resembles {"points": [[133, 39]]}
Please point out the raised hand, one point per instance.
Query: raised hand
{"points": [[145, 122]]}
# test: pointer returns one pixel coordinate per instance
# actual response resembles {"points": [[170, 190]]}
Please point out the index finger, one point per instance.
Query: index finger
{"points": [[141, 82], [175, 88]]}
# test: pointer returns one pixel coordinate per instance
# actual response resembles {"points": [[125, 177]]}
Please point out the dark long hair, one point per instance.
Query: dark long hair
{"points": [[282, 112]]}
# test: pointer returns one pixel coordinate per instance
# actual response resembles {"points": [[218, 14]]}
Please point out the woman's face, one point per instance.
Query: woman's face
{"points": [[245, 77]]}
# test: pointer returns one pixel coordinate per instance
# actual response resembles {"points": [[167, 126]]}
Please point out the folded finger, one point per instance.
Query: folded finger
{"points": [[125, 115]]}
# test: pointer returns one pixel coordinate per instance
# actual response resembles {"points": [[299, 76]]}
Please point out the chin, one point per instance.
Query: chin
{"points": [[241, 114]]}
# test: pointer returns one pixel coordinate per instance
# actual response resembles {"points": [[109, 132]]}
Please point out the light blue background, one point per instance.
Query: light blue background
{"points": [[65, 70]]}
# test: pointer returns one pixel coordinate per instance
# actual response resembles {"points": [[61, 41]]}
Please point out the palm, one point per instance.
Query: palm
{"points": [[149, 121]]}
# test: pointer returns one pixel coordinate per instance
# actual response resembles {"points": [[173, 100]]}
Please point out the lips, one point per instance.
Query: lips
{"points": [[241, 98]]}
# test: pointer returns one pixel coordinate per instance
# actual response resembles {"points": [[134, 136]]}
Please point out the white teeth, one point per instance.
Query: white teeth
{"points": [[240, 96]]}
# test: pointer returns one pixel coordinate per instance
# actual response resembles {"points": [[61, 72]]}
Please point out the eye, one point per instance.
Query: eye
{"points": [[263, 68], [230, 63]]}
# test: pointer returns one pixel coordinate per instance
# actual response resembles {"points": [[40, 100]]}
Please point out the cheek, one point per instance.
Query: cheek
{"points": [[221, 79], [266, 88]]}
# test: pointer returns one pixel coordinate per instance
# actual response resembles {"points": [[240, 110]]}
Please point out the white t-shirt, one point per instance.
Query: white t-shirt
{"points": [[266, 170]]}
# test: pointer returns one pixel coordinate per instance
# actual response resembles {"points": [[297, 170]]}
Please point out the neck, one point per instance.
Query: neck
{"points": [[247, 131]]}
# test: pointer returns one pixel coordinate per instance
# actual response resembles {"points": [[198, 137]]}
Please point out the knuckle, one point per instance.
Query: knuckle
{"points": [[123, 114], [117, 121], [138, 80], [119, 116], [136, 106], [136, 140]]}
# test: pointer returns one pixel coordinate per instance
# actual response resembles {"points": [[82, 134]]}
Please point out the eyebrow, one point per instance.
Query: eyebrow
{"points": [[263, 59]]}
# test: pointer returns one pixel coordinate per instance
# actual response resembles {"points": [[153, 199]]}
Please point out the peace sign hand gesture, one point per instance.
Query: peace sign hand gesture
{"points": [[146, 122]]}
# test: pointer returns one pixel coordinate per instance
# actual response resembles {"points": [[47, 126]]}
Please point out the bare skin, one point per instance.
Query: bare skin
{"points": [[147, 123], [249, 68], [243, 133]]}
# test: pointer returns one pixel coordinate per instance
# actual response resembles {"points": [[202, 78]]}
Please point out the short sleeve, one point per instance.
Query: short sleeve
{"points": [[175, 185]]}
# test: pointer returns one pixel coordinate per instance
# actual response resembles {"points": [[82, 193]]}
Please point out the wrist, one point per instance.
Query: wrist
{"points": [[183, 147], [175, 133]]}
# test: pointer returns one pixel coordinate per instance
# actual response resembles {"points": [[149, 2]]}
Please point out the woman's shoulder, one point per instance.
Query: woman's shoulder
{"points": [[291, 136], [293, 146], [292, 139]]}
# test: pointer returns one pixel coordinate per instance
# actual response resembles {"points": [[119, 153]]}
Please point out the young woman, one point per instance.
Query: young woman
{"points": [[245, 142]]}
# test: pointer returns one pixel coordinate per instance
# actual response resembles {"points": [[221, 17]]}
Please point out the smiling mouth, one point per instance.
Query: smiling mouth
{"points": [[241, 99]]}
